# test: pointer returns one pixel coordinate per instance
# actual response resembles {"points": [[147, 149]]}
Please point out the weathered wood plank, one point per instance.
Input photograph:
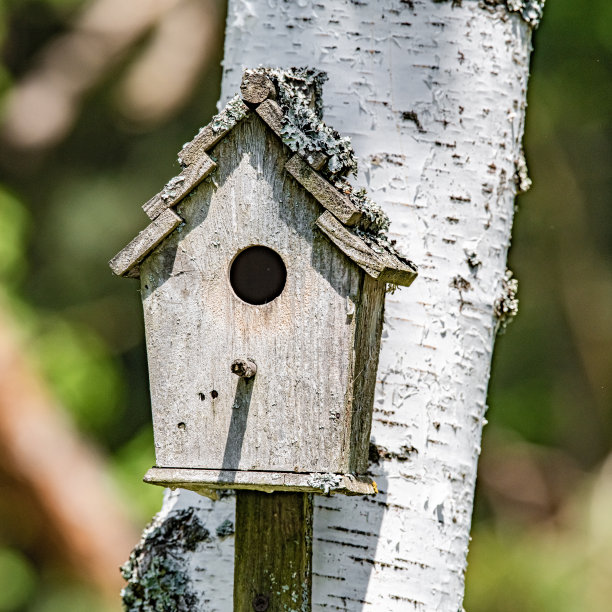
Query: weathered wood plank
{"points": [[351, 245], [273, 552], [144, 243], [327, 195], [255, 88], [324, 483], [206, 139], [272, 115], [369, 321], [398, 272], [179, 186], [383, 266]]}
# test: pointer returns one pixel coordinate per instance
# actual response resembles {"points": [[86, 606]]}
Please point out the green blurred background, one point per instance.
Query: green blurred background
{"points": [[94, 112]]}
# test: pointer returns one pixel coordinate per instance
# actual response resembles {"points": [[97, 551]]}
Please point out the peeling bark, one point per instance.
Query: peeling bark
{"points": [[432, 95]]}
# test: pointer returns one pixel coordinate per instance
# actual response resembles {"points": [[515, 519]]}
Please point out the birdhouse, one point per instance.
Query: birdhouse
{"points": [[263, 281]]}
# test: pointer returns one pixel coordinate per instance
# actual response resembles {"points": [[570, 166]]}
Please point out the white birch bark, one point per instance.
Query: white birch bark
{"points": [[432, 95]]}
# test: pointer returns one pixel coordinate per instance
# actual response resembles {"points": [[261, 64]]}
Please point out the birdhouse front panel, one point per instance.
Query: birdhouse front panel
{"points": [[249, 277]]}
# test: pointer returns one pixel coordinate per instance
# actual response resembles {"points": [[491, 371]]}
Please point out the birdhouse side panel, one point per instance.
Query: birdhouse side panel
{"points": [[369, 323], [295, 413]]}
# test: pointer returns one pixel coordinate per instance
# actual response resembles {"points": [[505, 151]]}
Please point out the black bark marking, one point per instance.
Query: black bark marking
{"points": [[412, 116]]}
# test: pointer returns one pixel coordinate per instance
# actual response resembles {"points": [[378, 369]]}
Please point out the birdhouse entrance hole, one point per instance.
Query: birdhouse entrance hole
{"points": [[258, 275]]}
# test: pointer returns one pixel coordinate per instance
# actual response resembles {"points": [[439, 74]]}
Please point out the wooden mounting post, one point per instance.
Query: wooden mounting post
{"points": [[273, 563]]}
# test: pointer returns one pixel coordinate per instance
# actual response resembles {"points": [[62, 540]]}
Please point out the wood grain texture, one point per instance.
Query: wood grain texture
{"points": [[397, 271], [128, 258], [295, 415], [328, 196], [273, 551], [255, 88], [272, 114], [178, 187], [205, 481], [369, 322], [205, 140], [383, 266]]}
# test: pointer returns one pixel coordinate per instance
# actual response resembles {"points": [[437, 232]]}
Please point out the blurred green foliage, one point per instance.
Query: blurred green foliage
{"points": [[17, 579], [544, 386], [64, 212], [14, 224], [76, 363]]}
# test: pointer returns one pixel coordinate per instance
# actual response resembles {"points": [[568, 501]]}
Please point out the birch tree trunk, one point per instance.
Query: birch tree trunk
{"points": [[432, 95]]}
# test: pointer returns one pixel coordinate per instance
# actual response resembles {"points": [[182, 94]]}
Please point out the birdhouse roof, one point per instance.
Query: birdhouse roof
{"points": [[347, 221]]}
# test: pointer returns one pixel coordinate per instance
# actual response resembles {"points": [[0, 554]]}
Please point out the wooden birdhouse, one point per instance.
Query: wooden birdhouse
{"points": [[263, 288]]}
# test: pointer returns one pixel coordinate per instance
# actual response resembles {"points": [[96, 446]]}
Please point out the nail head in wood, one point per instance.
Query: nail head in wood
{"points": [[245, 368], [255, 88], [261, 603]]}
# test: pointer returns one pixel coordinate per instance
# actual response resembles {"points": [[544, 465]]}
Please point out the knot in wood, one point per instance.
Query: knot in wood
{"points": [[261, 603], [255, 88], [245, 368]]}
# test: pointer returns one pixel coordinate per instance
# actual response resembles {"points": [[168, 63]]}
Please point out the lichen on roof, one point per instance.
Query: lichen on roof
{"points": [[299, 94], [233, 112], [172, 188]]}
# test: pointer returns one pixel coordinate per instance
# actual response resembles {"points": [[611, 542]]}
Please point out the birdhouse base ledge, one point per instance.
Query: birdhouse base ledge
{"points": [[207, 482]]}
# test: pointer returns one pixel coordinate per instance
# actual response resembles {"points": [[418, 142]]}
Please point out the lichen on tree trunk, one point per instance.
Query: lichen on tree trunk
{"points": [[157, 573]]}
